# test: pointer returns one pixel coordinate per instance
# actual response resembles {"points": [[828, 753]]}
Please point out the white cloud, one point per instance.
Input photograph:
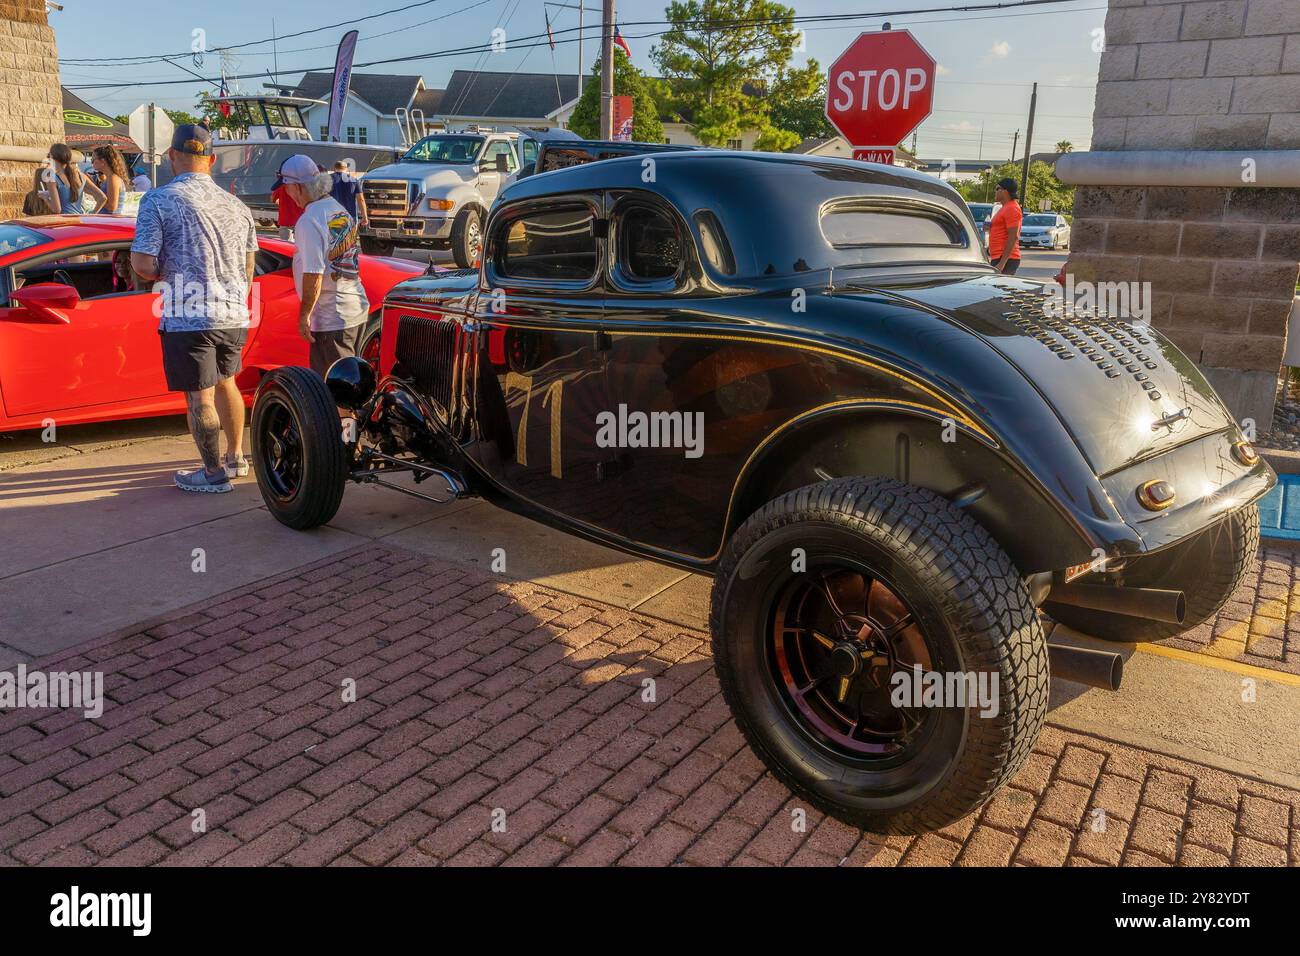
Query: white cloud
{"points": [[964, 126], [942, 70], [1001, 49]]}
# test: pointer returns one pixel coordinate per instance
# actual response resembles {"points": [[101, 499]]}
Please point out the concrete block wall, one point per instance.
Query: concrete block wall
{"points": [[1216, 74], [31, 102], [1187, 75]]}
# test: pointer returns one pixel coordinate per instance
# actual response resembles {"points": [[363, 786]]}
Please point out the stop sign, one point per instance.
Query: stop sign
{"points": [[880, 88]]}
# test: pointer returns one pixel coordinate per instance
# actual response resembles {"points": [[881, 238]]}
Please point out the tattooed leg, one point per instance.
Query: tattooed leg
{"points": [[205, 426]]}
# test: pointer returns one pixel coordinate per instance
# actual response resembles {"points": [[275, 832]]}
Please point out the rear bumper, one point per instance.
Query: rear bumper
{"points": [[1209, 483]]}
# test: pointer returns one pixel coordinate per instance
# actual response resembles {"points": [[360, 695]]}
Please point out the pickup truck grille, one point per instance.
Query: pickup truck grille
{"points": [[387, 197], [426, 351]]}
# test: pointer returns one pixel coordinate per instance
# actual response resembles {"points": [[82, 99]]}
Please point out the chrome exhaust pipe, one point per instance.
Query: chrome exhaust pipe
{"points": [[1150, 603], [1104, 669]]}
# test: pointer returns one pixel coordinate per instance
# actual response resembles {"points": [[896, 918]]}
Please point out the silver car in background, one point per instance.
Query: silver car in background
{"points": [[1044, 230]]}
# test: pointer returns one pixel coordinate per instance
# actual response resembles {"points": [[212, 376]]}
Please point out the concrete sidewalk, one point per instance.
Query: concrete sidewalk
{"points": [[95, 542]]}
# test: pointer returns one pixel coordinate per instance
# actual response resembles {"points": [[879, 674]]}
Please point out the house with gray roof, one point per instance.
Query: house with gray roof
{"points": [[376, 102]]}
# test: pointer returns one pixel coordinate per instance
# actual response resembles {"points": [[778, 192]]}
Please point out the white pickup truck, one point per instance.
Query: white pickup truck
{"points": [[438, 194]]}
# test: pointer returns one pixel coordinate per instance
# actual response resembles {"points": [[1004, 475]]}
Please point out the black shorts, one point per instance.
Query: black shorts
{"points": [[193, 361], [328, 347], [1010, 268]]}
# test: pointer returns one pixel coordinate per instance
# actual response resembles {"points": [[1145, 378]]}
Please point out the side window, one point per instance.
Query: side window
{"points": [[649, 243], [502, 148], [94, 273], [529, 150], [554, 244]]}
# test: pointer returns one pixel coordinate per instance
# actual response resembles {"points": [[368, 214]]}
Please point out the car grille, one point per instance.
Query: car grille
{"points": [[387, 197], [426, 351]]}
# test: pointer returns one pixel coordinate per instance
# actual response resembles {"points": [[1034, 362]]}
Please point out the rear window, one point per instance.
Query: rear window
{"points": [[556, 244], [15, 238], [875, 222]]}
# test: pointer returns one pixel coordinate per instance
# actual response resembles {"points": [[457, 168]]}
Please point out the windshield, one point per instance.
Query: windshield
{"points": [[15, 238], [1040, 220], [444, 149], [981, 211]]}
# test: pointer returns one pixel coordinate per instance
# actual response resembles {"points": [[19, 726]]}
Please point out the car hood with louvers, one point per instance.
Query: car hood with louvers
{"points": [[1123, 391]]}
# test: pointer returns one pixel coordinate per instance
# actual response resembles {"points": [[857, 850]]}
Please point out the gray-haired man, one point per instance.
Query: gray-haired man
{"points": [[332, 301]]}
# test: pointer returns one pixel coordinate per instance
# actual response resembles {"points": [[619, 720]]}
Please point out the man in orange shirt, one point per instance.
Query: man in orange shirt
{"points": [[1004, 230]]}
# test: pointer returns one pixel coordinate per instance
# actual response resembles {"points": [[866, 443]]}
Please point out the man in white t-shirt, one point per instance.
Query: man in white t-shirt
{"points": [[332, 302]]}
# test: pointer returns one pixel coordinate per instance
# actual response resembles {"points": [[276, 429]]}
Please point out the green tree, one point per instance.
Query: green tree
{"points": [[1065, 146], [181, 117], [1043, 184], [628, 81], [727, 61], [803, 115], [210, 110]]}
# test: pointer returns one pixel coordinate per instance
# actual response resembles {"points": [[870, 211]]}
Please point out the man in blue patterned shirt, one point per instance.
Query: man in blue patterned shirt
{"points": [[197, 242]]}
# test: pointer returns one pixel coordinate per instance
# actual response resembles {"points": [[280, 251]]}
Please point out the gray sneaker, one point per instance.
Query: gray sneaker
{"points": [[235, 467], [200, 480]]}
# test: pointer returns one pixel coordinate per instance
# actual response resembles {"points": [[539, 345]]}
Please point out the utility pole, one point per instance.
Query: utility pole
{"points": [[607, 70], [980, 155], [1014, 140], [1029, 137]]}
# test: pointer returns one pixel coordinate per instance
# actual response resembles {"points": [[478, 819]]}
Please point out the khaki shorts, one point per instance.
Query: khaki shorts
{"points": [[329, 347]]}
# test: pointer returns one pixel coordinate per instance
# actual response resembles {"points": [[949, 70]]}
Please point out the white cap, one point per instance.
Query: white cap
{"points": [[299, 169]]}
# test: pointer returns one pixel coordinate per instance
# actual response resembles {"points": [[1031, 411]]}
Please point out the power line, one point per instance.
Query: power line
{"points": [[82, 61], [695, 24]]}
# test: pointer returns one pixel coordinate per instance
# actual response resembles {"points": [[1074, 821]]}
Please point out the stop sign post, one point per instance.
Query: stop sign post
{"points": [[878, 91]]}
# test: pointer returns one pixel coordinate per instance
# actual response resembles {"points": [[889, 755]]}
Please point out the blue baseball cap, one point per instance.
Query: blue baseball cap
{"points": [[193, 139]]}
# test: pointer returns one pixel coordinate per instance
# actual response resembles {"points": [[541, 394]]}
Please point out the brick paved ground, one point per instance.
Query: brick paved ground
{"points": [[1260, 625], [478, 698]]}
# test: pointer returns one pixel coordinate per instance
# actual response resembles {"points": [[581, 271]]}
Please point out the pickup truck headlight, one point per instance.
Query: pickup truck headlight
{"points": [[443, 204]]}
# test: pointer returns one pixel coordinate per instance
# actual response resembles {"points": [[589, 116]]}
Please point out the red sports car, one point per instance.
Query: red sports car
{"points": [[77, 346]]}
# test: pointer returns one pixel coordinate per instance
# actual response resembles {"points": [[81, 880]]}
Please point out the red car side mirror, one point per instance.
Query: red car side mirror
{"points": [[46, 302]]}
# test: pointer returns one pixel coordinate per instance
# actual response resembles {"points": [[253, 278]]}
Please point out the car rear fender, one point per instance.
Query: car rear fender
{"points": [[1033, 526]]}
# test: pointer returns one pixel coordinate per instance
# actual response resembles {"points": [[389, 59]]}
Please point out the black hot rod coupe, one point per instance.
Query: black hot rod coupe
{"points": [[802, 377]]}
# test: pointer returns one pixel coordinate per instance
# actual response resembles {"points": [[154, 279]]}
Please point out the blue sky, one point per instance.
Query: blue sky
{"points": [[987, 60]]}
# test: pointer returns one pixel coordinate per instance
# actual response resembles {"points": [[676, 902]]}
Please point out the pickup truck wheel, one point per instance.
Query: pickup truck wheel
{"points": [[1206, 568], [826, 600], [467, 238], [298, 452], [376, 247]]}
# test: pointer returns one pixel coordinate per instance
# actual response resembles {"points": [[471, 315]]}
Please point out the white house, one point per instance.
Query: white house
{"points": [[373, 105]]}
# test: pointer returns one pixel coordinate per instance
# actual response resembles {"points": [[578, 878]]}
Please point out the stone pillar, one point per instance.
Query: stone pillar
{"points": [[1209, 93], [31, 102]]}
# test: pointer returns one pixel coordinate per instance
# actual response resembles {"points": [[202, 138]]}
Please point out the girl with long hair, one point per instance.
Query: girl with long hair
{"points": [[65, 183], [111, 167]]}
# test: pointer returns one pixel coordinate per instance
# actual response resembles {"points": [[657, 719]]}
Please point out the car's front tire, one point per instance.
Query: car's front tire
{"points": [[827, 594], [1207, 568], [298, 451]]}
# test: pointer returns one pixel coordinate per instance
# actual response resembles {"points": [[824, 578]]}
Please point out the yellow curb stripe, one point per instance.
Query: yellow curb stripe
{"points": [[1220, 663]]}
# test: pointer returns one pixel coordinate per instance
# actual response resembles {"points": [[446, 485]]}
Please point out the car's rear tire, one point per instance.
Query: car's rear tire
{"points": [[298, 451], [377, 247], [877, 553], [1207, 569], [467, 238]]}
